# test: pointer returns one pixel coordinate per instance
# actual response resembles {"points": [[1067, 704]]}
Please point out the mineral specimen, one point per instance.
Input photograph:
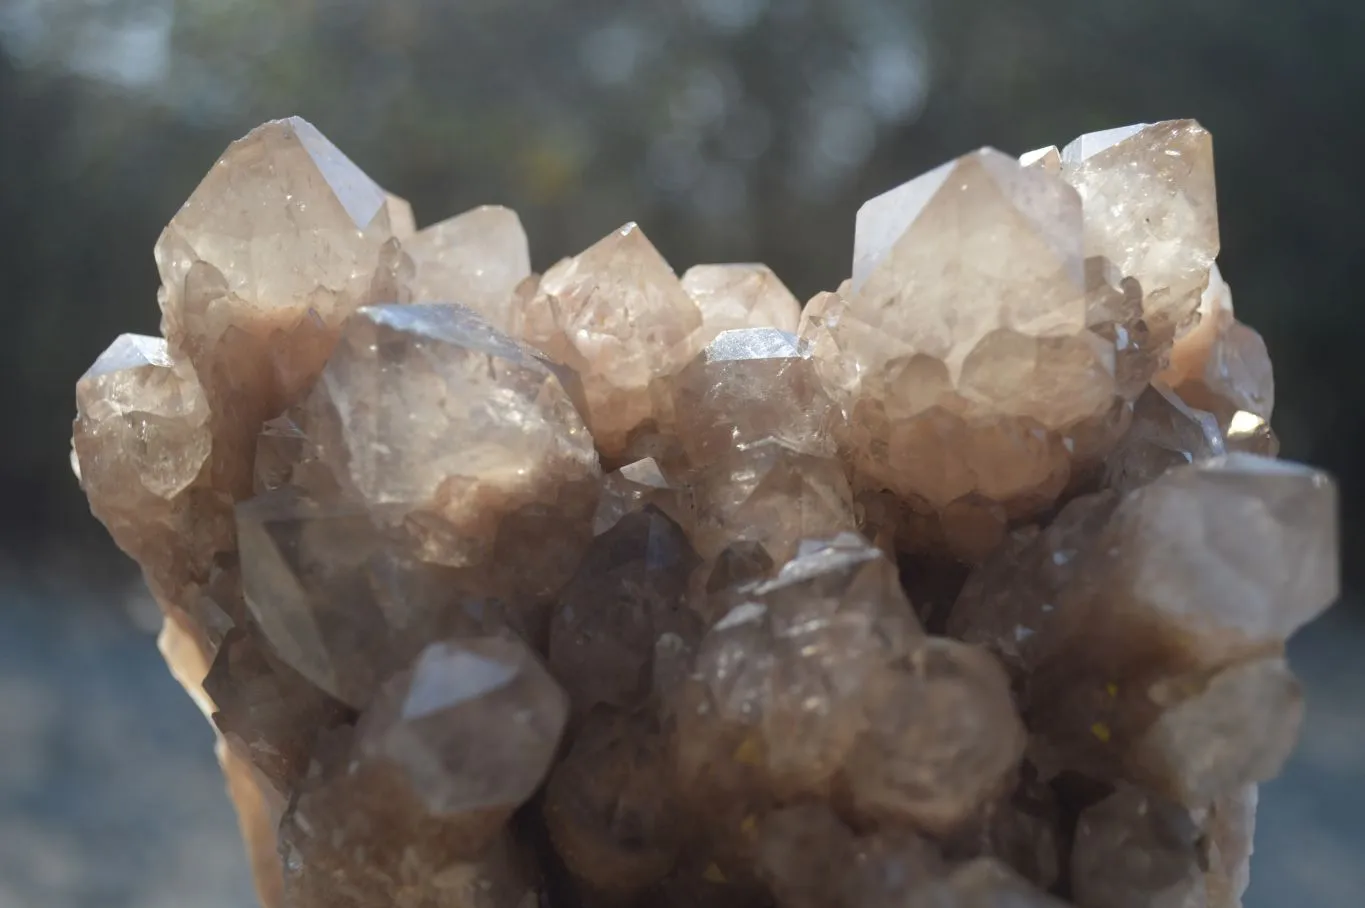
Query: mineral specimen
{"points": [[966, 586]]}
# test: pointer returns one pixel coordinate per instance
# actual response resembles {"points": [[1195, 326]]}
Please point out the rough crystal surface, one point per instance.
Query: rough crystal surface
{"points": [[476, 259], [781, 684], [1151, 208], [618, 315], [1134, 850], [630, 589], [967, 586], [469, 731], [741, 295], [749, 385], [969, 337], [942, 737]]}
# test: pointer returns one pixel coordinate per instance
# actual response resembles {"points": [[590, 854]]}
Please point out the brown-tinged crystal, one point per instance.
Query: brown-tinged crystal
{"points": [[610, 806], [782, 683], [973, 385], [1151, 209], [635, 486], [741, 295], [476, 259], [773, 494], [942, 737], [630, 589], [452, 664], [749, 385], [616, 314], [1134, 850]]}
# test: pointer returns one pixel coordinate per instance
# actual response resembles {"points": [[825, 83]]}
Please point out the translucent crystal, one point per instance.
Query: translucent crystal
{"points": [[1151, 208], [1164, 433], [630, 589], [942, 737], [951, 373], [1048, 159], [280, 242], [749, 385], [269, 713], [469, 732], [476, 259], [1220, 732], [1222, 366], [781, 682], [634, 486], [616, 314], [773, 494], [739, 296], [432, 417]]}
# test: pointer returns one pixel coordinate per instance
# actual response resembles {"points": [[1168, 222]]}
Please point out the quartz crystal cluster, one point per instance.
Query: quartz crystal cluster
{"points": [[966, 585]]}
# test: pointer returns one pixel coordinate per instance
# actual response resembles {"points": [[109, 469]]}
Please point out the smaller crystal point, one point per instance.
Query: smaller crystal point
{"points": [[739, 296], [749, 385], [476, 259], [471, 729], [633, 487], [1222, 365], [616, 314], [1164, 433], [431, 416], [630, 589], [1150, 207], [780, 684], [1048, 159], [773, 494], [267, 710]]}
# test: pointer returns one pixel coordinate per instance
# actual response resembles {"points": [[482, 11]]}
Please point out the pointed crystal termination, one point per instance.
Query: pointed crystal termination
{"points": [[950, 369], [739, 296], [1164, 433], [942, 738], [1151, 209], [143, 441], [610, 807], [476, 259], [436, 420], [772, 494], [1048, 159], [630, 589], [283, 226], [636, 486], [777, 698], [1222, 366], [341, 602], [468, 733], [749, 385], [616, 314]]}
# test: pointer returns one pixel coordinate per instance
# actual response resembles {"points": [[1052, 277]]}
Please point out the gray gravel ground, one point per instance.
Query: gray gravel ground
{"points": [[110, 797]]}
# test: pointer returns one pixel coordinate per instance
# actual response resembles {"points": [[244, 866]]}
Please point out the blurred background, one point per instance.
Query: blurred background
{"points": [[731, 130]]}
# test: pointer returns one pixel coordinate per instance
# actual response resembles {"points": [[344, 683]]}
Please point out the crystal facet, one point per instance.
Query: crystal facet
{"points": [[967, 586]]}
